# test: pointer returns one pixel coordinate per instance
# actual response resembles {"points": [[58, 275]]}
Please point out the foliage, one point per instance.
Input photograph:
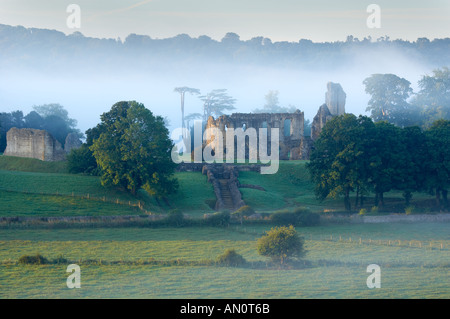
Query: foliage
{"points": [[243, 211], [33, 260], [434, 96], [183, 90], [175, 218], [221, 219], [133, 150], [50, 117], [438, 161], [82, 160], [298, 217], [388, 99], [341, 160], [216, 103], [280, 244], [231, 258]]}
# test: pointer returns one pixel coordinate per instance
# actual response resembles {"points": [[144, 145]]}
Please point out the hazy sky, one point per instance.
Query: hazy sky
{"points": [[280, 20]]}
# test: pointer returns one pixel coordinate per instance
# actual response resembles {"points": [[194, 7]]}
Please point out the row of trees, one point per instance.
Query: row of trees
{"points": [[56, 48], [393, 100], [355, 155], [53, 118]]}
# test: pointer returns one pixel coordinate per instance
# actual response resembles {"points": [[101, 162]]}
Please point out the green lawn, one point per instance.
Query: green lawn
{"points": [[52, 194]]}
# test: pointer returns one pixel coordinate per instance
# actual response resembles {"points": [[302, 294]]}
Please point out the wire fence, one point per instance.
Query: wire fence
{"points": [[432, 245], [87, 196]]}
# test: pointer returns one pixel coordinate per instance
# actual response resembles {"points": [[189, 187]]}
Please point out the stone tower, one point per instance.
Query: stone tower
{"points": [[335, 99]]}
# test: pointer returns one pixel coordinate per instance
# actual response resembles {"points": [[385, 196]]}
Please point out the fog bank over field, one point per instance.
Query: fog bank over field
{"points": [[87, 76]]}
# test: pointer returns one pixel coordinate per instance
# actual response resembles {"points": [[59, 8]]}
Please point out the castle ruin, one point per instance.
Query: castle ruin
{"points": [[38, 144], [293, 145]]}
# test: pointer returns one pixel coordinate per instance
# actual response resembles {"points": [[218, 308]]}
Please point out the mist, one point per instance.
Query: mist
{"points": [[87, 86]]}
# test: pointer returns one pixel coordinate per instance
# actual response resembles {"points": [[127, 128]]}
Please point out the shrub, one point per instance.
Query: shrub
{"points": [[299, 217], [306, 218], [82, 160], [409, 210], [284, 218], [175, 218], [374, 210], [60, 260], [231, 258], [218, 219], [243, 211], [363, 211], [33, 260], [280, 244]]}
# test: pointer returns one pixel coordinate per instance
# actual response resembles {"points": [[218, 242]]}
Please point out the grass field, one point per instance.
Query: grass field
{"points": [[35, 184], [144, 262], [335, 269]]}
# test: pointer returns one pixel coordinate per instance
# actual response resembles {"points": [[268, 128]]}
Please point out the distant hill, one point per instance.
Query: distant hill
{"points": [[40, 48]]}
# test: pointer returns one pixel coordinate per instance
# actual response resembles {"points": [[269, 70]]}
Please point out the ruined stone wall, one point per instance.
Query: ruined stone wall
{"points": [[335, 99], [334, 106], [290, 143], [32, 143]]}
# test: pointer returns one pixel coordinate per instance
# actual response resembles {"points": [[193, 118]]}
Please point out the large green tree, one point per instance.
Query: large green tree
{"points": [[280, 244], [133, 150], [388, 102], [341, 160], [216, 103], [389, 161], [434, 96], [438, 172], [182, 91]]}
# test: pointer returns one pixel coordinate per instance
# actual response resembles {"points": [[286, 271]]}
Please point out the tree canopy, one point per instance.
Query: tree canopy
{"points": [[133, 150]]}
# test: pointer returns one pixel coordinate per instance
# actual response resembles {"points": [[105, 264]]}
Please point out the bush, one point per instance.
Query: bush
{"points": [[299, 217], [82, 160], [280, 244], [33, 260], [363, 211], [243, 211], [306, 218], [284, 218], [409, 210], [218, 219], [231, 258]]}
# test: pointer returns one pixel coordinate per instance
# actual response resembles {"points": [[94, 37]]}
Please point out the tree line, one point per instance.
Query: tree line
{"points": [[393, 100], [355, 155], [52, 48]]}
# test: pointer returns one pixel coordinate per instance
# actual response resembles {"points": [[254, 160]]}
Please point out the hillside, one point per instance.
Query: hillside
{"points": [[30, 187]]}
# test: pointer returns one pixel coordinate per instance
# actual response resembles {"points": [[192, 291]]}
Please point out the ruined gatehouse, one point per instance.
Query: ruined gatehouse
{"points": [[293, 144], [38, 144]]}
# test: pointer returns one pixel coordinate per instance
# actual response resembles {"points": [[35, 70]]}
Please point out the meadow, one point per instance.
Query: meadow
{"points": [[146, 262], [118, 264]]}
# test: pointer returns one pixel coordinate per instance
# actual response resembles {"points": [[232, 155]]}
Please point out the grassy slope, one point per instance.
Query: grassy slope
{"points": [[11, 163], [289, 187], [29, 187]]}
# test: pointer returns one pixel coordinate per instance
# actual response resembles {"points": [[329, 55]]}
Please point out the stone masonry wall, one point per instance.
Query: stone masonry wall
{"points": [[32, 143]]}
